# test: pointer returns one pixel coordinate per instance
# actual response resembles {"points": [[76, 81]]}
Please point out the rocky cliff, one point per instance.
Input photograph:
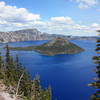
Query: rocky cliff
{"points": [[34, 34], [26, 35], [21, 35]]}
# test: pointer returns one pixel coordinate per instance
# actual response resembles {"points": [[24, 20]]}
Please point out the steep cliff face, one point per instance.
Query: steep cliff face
{"points": [[34, 34], [21, 35], [26, 35]]}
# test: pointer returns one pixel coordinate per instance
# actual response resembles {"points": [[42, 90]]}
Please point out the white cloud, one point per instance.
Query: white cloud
{"points": [[14, 14], [86, 3], [96, 26], [13, 18], [54, 27], [62, 19]]}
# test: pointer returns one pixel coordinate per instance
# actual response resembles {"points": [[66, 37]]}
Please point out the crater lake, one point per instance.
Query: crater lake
{"points": [[68, 75]]}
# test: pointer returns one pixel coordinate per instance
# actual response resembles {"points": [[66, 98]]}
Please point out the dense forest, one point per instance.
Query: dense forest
{"points": [[18, 80]]}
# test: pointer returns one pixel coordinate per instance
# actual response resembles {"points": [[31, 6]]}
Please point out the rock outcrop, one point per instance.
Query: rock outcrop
{"points": [[5, 94], [33, 34], [26, 35], [21, 35]]}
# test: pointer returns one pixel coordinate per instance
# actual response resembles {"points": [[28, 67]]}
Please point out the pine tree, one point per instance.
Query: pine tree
{"points": [[7, 54], [25, 86], [1, 67], [10, 68], [38, 93], [96, 84], [35, 89], [46, 94], [18, 68], [21, 83]]}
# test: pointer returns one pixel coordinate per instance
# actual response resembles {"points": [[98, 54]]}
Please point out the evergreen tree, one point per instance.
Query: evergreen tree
{"points": [[46, 94], [10, 68], [1, 67], [18, 68], [35, 89], [38, 93], [16, 77], [96, 84], [7, 54], [25, 85]]}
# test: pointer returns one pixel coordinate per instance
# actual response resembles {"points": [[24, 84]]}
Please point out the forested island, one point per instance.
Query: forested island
{"points": [[53, 47]]}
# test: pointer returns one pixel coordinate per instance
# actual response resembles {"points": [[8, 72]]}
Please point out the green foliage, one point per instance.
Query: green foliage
{"points": [[98, 40], [38, 92], [11, 70], [98, 48], [96, 58], [93, 97], [96, 84], [98, 30], [25, 98], [98, 45], [54, 47], [7, 54], [1, 67]]}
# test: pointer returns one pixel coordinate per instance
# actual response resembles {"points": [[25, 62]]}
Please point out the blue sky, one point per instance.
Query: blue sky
{"points": [[69, 17]]}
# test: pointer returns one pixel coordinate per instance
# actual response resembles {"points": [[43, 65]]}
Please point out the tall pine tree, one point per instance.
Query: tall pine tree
{"points": [[10, 69], [96, 84], [1, 67], [18, 80]]}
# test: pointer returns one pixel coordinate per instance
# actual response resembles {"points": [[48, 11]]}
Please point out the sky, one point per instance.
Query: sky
{"points": [[68, 17]]}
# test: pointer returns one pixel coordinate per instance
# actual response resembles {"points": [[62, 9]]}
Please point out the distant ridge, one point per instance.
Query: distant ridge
{"points": [[34, 34]]}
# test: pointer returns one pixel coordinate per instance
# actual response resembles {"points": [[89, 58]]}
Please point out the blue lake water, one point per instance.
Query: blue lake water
{"points": [[68, 75]]}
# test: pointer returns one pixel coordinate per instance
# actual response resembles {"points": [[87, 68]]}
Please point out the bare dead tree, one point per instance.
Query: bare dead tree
{"points": [[18, 85]]}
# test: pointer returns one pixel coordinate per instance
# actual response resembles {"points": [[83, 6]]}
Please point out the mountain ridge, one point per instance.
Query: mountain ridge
{"points": [[33, 34]]}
